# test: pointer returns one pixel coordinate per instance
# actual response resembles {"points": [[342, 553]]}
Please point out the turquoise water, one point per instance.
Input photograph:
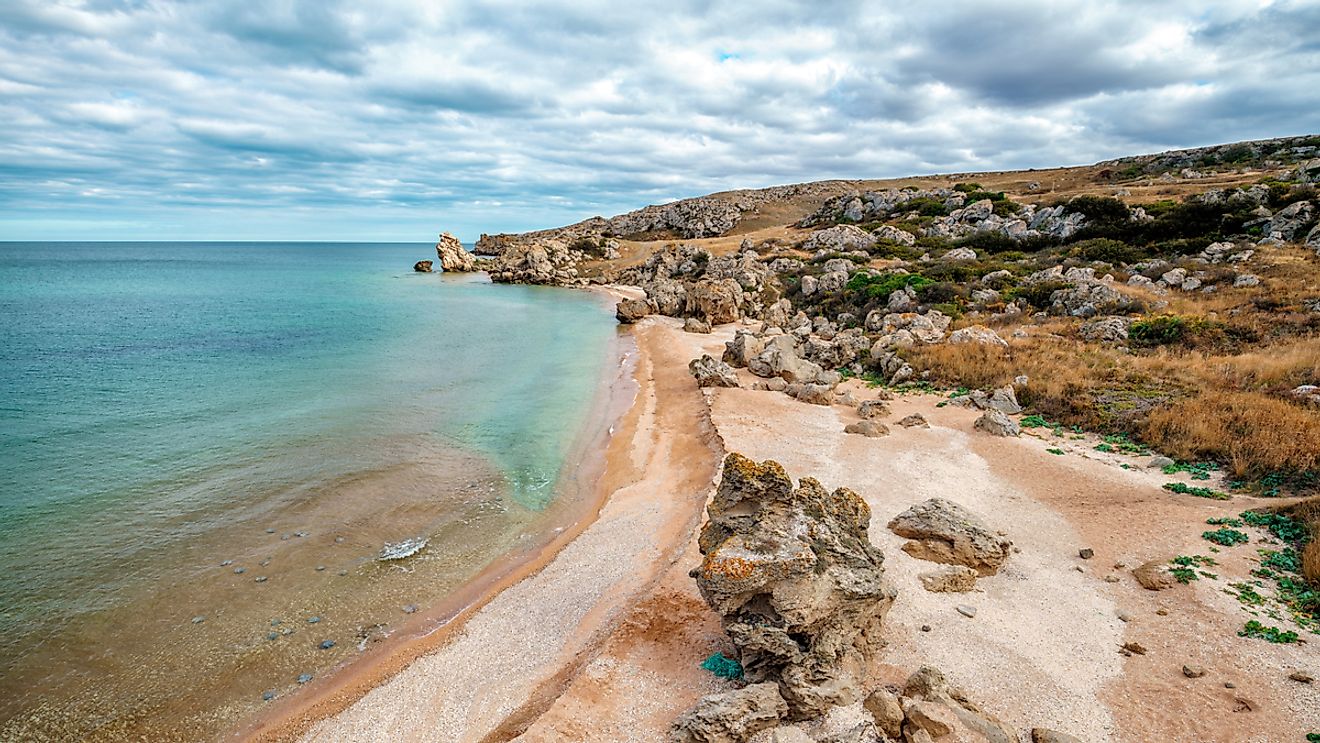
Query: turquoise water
{"points": [[152, 394]]}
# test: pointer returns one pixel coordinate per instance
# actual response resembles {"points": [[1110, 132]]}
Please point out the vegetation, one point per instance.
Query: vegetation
{"points": [[1183, 488], [1272, 634], [1185, 567], [1226, 537], [725, 668]]}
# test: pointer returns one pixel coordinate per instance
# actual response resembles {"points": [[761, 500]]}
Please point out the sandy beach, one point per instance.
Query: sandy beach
{"points": [[603, 642]]}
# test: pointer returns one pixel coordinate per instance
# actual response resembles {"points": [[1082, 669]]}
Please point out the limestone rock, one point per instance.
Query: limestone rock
{"points": [[712, 373], [1156, 575], [943, 531], [996, 423], [795, 578], [1106, 329], [422, 267], [868, 428], [839, 238], [730, 716], [718, 300], [915, 420], [453, 256], [629, 311], [695, 325], [1045, 735], [870, 409], [953, 579], [978, 334], [744, 347]]}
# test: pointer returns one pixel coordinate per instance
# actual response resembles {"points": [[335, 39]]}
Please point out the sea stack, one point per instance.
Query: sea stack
{"points": [[453, 257]]}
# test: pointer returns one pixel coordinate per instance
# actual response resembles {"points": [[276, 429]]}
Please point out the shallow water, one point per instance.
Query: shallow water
{"points": [[203, 446]]}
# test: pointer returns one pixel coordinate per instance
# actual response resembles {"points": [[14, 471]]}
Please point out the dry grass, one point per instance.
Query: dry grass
{"points": [[1253, 433], [1311, 556]]}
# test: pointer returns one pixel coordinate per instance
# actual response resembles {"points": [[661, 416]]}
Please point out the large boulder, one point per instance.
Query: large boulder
{"points": [[422, 267], [945, 532], [996, 423], [795, 579], [717, 300], [730, 716], [742, 349], [629, 311], [711, 372], [453, 256], [978, 335], [1106, 329]]}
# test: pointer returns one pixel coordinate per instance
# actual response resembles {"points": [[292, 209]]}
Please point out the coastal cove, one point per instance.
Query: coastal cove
{"points": [[207, 447]]}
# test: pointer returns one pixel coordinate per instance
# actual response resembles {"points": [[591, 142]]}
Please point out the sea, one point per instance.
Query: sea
{"points": [[227, 469]]}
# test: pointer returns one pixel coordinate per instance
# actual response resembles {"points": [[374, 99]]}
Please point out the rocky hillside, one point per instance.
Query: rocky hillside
{"points": [[1173, 299]]}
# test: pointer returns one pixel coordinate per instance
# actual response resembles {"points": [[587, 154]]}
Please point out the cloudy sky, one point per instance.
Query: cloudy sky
{"points": [[394, 119]]}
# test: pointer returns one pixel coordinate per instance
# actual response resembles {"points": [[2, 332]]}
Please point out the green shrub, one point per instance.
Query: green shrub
{"points": [[1184, 489], [1159, 331], [1272, 634], [939, 292], [968, 187], [1226, 537], [1101, 209], [1284, 527], [925, 206], [1107, 250], [1038, 294], [880, 287]]}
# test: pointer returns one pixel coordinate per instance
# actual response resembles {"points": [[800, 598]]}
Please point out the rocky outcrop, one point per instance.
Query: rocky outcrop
{"points": [[1106, 329], [549, 263], [977, 335], [868, 428], [422, 267], [454, 258], [796, 581], [945, 532], [717, 300], [629, 311], [839, 239], [710, 372], [731, 716]]}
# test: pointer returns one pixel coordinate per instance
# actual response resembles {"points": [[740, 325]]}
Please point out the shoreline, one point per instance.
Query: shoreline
{"points": [[590, 474]]}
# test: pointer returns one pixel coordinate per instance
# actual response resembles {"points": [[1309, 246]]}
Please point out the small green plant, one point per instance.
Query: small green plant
{"points": [[1106, 448], [1226, 537], [1313, 738], [1198, 470], [725, 668], [1184, 489], [1284, 527], [880, 287], [1246, 593], [1056, 452], [1271, 634], [1123, 443], [1185, 567], [1224, 521]]}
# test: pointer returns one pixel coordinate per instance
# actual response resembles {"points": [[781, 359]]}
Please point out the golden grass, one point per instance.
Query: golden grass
{"points": [[1252, 433]]}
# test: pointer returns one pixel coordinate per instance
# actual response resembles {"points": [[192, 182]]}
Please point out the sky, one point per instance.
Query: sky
{"points": [[397, 119]]}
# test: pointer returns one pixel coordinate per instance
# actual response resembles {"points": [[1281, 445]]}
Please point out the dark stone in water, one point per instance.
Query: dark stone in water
{"points": [[239, 571], [313, 620], [274, 622], [339, 540], [273, 636], [260, 579], [300, 534], [284, 537], [319, 568], [304, 678], [267, 696], [226, 563], [327, 644], [198, 620], [410, 608], [270, 531], [265, 562]]}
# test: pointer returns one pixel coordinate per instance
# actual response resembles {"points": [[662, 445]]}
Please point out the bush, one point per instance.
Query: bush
{"points": [[1038, 294], [1107, 250], [1158, 331], [968, 187], [925, 206], [871, 286], [941, 292], [1101, 209], [1252, 433]]}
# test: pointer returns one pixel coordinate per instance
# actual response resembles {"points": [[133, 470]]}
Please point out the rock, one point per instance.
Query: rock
{"points": [[1160, 463], [953, 579], [422, 267], [198, 619], [978, 334], [1193, 672], [326, 644], [712, 373], [1245, 280], [1003, 399], [870, 409], [410, 608], [718, 300], [789, 734], [731, 716], [1301, 677], [796, 581], [893, 234], [915, 420], [1155, 575], [742, 349], [932, 717], [1133, 648], [453, 256], [304, 678], [1106, 329], [868, 428], [548, 262], [945, 532], [997, 423], [886, 711], [815, 394], [266, 696], [313, 620], [1045, 735], [1086, 553], [839, 239], [965, 610], [959, 254], [809, 285], [695, 325], [629, 311]]}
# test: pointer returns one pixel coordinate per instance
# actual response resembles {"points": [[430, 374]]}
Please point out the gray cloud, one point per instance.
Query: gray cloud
{"points": [[328, 119]]}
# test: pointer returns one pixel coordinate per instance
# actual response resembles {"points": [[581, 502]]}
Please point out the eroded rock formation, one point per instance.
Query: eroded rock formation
{"points": [[454, 258]]}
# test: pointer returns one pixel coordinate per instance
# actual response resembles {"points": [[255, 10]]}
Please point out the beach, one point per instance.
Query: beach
{"points": [[604, 640]]}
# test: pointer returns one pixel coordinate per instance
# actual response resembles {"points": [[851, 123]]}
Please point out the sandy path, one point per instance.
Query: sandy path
{"points": [[511, 657]]}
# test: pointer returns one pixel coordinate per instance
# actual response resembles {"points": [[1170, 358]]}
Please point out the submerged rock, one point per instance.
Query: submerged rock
{"points": [[798, 584], [422, 267]]}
